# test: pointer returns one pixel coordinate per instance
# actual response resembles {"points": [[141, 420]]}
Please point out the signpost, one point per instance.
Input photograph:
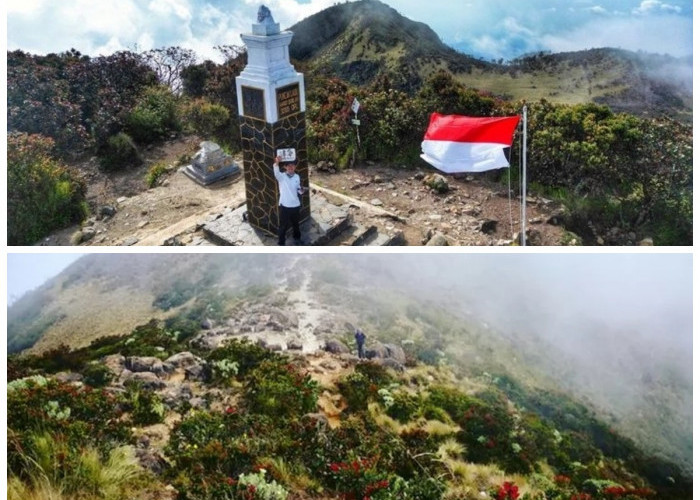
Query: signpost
{"points": [[355, 108]]}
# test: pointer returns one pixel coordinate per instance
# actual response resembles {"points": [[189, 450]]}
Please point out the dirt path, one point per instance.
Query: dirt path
{"points": [[473, 211], [309, 313]]}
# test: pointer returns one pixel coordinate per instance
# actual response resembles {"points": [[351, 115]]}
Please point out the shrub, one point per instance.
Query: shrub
{"points": [[146, 407], [154, 116], [405, 406], [280, 391], [359, 478], [52, 465], [204, 118], [246, 354], [155, 172], [357, 390], [120, 152], [256, 487], [42, 195], [44, 408], [97, 375]]}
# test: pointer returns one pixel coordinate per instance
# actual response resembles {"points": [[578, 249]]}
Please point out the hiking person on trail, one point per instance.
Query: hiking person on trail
{"points": [[290, 201], [360, 339]]}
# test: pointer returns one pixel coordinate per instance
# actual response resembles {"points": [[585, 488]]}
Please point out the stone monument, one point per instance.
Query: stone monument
{"points": [[272, 109], [210, 164]]}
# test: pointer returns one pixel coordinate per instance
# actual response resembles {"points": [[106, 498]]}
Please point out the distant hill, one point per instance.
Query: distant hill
{"points": [[361, 41]]}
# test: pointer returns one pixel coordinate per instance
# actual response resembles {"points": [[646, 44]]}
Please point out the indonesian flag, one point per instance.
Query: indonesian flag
{"points": [[456, 143]]}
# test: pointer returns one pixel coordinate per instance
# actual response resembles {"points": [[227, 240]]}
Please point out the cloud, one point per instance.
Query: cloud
{"points": [[648, 7], [488, 28], [663, 35]]}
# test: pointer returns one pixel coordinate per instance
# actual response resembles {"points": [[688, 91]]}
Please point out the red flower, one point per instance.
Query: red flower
{"points": [[335, 467], [562, 479], [230, 410], [508, 491], [230, 481], [615, 491]]}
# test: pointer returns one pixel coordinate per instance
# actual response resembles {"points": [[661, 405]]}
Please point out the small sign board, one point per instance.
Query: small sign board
{"points": [[288, 154], [355, 105], [355, 122]]}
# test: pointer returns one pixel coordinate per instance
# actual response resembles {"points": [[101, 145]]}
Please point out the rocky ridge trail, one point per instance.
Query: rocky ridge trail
{"points": [[421, 206]]}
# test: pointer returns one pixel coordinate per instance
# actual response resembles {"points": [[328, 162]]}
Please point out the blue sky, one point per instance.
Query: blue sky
{"points": [[28, 271], [491, 29]]}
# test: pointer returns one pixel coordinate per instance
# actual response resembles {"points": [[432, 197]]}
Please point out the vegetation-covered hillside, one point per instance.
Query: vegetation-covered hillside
{"points": [[634, 378], [151, 415]]}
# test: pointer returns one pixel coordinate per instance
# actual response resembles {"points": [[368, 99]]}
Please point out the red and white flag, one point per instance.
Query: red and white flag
{"points": [[455, 143]]}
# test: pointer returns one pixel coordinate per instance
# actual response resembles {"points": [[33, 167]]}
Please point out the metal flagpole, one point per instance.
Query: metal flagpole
{"points": [[523, 216]]}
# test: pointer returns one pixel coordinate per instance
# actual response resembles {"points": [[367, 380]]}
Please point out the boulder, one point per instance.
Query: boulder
{"points": [[295, 345], [175, 394], [396, 353], [335, 346], [438, 240], [184, 359], [437, 183], [391, 363], [67, 377], [148, 380], [148, 364]]}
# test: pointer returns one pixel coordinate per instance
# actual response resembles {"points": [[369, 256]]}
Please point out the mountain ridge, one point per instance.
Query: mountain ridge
{"points": [[363, 41]]}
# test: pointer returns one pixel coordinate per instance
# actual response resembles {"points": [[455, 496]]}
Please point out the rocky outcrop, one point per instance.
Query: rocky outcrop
{"points": [[148, 380], [148, 364], [336, 347]]}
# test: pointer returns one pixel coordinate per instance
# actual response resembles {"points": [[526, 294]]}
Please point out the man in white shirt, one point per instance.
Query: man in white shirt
{"points": [[290, 201]]}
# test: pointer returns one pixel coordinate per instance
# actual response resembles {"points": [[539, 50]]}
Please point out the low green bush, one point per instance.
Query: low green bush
{"points": [[146, 407], [154, 116], [97, 374], [155, 172], [119, 152], [280, 390], [204, 118], [247, 355], [42, 194]]}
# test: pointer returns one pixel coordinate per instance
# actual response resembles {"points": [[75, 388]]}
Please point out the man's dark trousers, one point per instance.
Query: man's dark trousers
{"points": [[289, 217]]}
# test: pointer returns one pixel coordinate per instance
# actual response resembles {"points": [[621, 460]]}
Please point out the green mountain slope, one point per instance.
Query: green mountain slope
{"points": [[643, 392], [361, 41]]}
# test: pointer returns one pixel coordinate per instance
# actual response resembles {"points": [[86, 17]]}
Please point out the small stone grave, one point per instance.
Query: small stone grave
{"points": [[211, 164]]}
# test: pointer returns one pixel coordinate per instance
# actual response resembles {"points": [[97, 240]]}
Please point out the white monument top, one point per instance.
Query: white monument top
{"points": [[269, 88], [266, 25]]}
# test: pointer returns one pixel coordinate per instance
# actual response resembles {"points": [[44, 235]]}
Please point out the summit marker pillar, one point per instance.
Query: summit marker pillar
{"points": [[272, 113]]}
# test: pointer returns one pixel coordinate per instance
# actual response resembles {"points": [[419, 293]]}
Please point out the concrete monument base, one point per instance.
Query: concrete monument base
{"points": [[326, 222], [211, 164]]}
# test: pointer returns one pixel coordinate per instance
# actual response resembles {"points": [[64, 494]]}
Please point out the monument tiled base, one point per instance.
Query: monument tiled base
{"points": [[260, 141], [324, 223]]}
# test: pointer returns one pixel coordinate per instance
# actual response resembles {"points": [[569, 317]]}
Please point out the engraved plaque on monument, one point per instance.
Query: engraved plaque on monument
{"points": [[253, 102], [288, 100]]}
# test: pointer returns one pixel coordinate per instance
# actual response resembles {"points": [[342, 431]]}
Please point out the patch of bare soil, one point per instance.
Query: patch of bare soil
{"points": [[473, 211], [127, 212]]}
